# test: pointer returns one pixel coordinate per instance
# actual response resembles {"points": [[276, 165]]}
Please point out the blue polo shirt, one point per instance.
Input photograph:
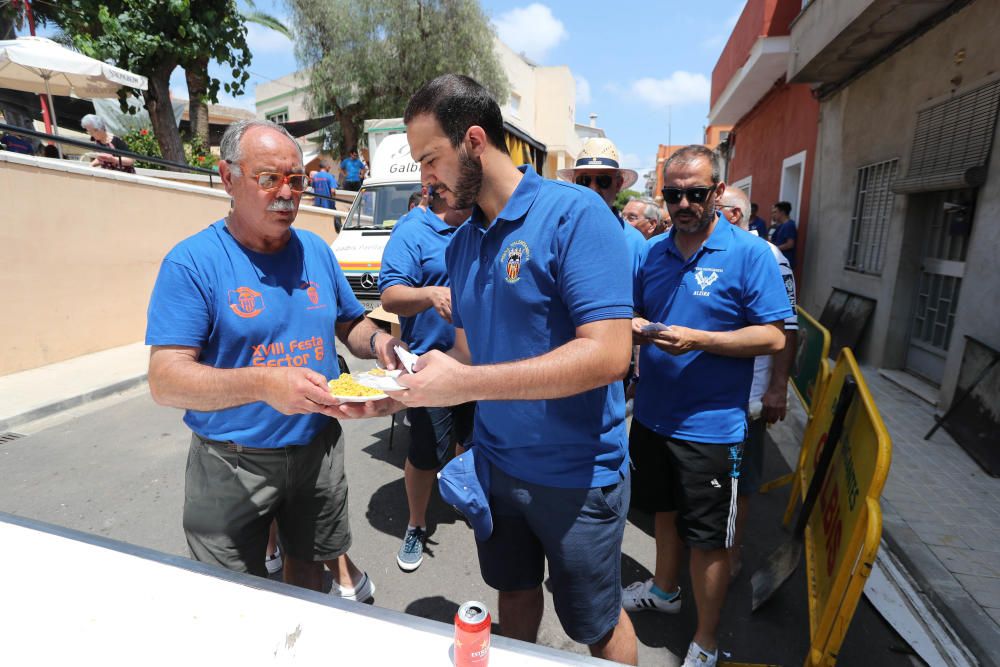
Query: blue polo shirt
{"points": [[243, 309], [787, 230], [554, 259], [636, 244], [414, 257], [731, 282], [759, 226]]}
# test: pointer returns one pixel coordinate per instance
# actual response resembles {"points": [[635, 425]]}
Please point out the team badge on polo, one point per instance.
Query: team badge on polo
{"points": [[705, 278], [246, 302], [516, 254]]}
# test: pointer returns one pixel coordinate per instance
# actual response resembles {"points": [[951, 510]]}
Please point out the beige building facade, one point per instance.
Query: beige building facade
{"points": [[541, 105]]}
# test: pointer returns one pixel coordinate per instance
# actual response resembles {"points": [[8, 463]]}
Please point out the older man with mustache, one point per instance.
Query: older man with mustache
{"points": [[242, 322]]}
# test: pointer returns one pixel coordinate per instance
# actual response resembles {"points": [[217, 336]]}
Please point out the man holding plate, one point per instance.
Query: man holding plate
{"points": [[541, 300], [241, 323]]}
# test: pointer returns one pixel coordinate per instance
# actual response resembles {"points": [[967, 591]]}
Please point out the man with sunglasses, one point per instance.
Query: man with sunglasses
{"points": [[598, 168], [242, 322], [709, 299]]}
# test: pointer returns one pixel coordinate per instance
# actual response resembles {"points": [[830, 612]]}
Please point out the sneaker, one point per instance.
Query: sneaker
{"points": [[699, 657], [411, 553], [274, 562], [363, 591], [639, 596]]}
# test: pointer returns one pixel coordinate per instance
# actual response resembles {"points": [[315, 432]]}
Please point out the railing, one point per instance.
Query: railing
{"points": [[90, 146]]}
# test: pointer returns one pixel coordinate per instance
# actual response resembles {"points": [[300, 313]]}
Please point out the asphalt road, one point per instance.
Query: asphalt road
{"points": [[115, 468]]}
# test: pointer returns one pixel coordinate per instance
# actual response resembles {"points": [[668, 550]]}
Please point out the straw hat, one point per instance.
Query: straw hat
{"points": [[599, 153]]}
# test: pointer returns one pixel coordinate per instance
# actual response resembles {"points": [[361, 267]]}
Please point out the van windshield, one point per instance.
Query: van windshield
{"points": [[380, 206]]}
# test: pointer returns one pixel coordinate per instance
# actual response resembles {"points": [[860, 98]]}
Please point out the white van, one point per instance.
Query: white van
{"points": [[382, 200]]}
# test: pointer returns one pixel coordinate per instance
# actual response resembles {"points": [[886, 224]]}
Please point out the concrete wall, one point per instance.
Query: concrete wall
{"points": [[872, 120], [781, 125], [80, 249]]}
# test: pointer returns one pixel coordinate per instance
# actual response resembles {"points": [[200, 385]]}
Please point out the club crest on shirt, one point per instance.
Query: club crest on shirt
{"points": [[312, 291], [705, 277], [514, 255], [245, 302]]}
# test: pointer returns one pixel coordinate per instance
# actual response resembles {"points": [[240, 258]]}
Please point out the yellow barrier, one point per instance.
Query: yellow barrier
{"points": [[812, 365], [843, 533]]}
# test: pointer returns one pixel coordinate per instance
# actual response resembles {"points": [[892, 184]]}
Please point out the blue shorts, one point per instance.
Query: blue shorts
{"points": [[578, 531], [752, 467]]}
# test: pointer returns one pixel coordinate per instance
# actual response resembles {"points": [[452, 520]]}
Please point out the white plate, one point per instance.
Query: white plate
{"points": [[385, 382], [360, 399]]}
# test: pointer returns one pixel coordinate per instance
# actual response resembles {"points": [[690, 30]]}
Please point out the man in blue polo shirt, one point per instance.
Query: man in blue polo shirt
{"points": [[709, 298], [413, 282], [541, 303]]}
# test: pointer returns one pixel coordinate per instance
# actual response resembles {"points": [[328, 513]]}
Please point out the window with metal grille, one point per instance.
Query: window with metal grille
{"points": [[870, 223]]}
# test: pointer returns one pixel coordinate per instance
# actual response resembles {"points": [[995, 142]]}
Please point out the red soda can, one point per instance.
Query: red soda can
{"points": [[472, 635]]}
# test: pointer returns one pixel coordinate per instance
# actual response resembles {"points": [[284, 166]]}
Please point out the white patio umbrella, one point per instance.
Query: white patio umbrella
{"points": [[39, 65]]}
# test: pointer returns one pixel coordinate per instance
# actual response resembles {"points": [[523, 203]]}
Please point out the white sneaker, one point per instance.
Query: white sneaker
{"points": [[639, 596], [273, 563], [363, 591], [699, 657]]}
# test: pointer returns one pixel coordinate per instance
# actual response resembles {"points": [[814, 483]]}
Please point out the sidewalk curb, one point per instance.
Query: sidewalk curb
{"points": [[71, 402], [968, 620]]}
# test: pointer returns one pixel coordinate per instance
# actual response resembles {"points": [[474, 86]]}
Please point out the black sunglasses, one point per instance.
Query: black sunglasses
{"points": [[603, 181], [695, 195]]}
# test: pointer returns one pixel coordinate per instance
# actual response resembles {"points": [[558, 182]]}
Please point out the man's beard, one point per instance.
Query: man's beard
{"points": [[469, 182], [698, 225]]}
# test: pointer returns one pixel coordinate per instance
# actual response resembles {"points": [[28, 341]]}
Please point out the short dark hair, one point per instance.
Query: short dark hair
{"points": [[694, 152], [458, 102], [784, 207], [414, 199], [753, 205]]}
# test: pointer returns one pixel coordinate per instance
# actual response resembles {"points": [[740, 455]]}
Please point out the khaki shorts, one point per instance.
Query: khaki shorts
{"points": [[232, 493]]}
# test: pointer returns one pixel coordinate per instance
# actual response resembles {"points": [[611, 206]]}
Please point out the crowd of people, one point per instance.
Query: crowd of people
{"points": [[689, 312]]}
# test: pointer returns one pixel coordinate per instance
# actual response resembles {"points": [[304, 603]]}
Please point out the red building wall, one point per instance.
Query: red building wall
{"points": [[782, 124]]}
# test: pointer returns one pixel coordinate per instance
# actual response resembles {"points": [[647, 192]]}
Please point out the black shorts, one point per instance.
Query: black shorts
{"points": [[432, 430], [699, 481], [752, 468]]}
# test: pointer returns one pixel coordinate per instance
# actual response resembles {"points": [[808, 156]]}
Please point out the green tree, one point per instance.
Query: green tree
{"points": [[622, 198], [153, 37], [367, 57], [199, 83]]}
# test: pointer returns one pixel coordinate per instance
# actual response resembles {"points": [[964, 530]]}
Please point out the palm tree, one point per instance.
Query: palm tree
{"points": [[196, 72]]}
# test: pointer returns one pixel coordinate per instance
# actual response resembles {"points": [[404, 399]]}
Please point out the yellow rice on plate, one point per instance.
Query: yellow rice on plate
{"points": [[346, 385]]}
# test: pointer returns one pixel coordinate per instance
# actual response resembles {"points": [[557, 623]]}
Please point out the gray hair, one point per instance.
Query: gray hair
{"points": [[691, 154], [231, 148], [94, 122], [650, 208], [736, 197]]}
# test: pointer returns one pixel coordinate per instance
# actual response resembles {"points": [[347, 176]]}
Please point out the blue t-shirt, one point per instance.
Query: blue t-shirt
{"points": [[323, 184], [636, 244], [414, 257], [352, 167], [243, 308], [554, 259], [730, 283], [759, 226], [787, 230]]}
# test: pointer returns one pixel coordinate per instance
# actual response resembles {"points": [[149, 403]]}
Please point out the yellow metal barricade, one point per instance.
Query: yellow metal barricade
{"points": [[843, 533]]}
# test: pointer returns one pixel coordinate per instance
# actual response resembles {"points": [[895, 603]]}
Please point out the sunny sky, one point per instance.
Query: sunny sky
{"points": [[634, 70]]}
